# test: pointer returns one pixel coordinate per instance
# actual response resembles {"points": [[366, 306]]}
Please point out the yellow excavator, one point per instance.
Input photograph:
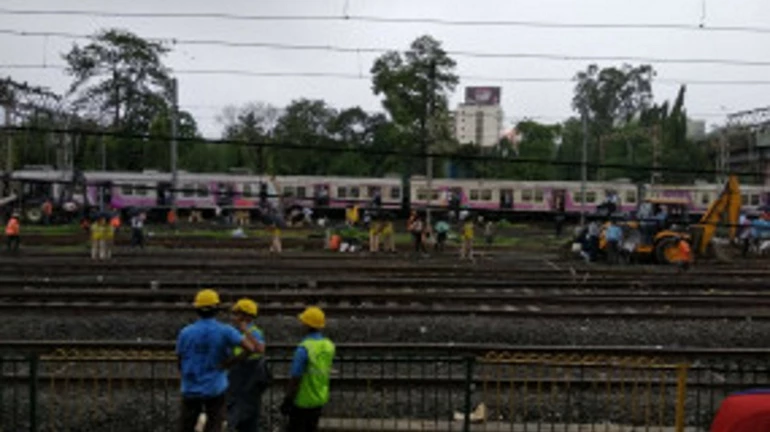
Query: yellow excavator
{"points": [[660, 243]]}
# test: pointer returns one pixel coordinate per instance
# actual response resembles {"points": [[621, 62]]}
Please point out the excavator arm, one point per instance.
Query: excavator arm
{"points": [[729, 202]]}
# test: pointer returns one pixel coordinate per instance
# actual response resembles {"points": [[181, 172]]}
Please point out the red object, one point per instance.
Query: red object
{"points": [[744, 412]]}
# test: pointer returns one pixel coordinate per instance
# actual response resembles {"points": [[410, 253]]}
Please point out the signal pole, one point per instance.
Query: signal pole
{"points": [[584, 169], [174, 174]]}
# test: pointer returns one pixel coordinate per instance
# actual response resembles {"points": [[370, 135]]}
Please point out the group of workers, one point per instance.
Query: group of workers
{"points": [[224, 370], [423, 234]]}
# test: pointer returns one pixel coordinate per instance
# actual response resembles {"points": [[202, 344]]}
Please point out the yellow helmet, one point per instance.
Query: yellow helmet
{"points": [[313, 317], [206, 298], [247, 306]]}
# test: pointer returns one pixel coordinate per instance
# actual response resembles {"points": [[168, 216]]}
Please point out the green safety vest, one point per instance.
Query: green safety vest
{"points": [[314, 387], [238, 350]]}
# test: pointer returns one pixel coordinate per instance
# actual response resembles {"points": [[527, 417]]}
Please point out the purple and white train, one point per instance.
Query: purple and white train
{"points": [[152, 190]]}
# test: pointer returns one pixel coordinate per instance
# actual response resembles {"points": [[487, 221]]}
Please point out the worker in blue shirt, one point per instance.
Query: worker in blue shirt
{"points": [[614, 236], [202, 347], [249, 375], [308, 390]]}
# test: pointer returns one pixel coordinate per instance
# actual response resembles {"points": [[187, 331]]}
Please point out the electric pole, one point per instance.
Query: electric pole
{"points": [[584, 168], [174, 175], [427, 137], [9, 137]]}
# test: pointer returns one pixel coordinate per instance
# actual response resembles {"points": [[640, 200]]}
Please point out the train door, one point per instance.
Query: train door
{"points": [[163, 194], [104, 192], [321, 195], [455, 198], [558, 197], [506, 199], [225, 194]]}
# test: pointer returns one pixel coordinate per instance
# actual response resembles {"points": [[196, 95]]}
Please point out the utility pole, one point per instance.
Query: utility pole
{"points": [[584, 169], [427, 137], [174, 174], [9, 137], [655, 178]]}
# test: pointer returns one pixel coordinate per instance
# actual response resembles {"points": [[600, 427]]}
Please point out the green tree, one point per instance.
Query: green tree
{"points": [[252, 124], [119, 80], [416, 86], [538, 142]]}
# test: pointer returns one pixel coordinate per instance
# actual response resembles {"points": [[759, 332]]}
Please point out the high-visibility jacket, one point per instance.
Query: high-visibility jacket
{"points": [[12, 228], [115, 222], [97, 231], [313, 389], [468, 231], [685, 253], [238, 350]]}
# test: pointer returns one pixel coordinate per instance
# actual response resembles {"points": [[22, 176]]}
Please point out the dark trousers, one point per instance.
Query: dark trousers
{"points": [[440, 241], [12, 243], [417, 239], [213, 407], [303, 419], [137, 238], [613, 251], [244, 397]]}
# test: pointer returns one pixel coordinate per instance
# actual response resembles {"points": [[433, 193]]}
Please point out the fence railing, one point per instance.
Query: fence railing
{"points": [[122, 389]]}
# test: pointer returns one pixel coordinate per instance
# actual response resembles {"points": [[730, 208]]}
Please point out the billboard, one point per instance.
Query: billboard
{"points": [[482, 95]]}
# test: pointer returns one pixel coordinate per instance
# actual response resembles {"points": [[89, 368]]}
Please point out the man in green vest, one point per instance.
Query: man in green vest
{"points": [[248, 374], [308, 389]]}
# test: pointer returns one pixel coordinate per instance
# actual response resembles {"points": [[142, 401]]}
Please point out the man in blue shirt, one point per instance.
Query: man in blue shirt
{"points": [[614, 236], [202, 347]]}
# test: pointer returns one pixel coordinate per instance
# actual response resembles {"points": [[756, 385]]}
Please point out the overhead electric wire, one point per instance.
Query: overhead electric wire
{"points": [[377, 50], [366, 76], [283, 145], [699, 28]]}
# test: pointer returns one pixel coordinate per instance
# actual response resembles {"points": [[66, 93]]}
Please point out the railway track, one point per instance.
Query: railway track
{"points": [[387, 303]]}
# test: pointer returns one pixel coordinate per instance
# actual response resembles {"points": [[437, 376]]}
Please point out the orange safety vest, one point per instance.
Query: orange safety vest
{"points": [[171, 216], [115, 221], [13, 228], [685, 253], [47, 208]]}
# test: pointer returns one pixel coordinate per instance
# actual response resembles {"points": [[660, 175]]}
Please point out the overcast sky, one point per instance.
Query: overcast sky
{"points": [[206, 95]]}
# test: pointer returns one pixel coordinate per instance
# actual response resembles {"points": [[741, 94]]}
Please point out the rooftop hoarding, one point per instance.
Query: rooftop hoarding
{"points": [[482, 95]]}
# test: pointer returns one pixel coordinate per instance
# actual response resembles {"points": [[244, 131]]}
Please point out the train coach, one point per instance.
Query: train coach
{"points": [[209, 192]]}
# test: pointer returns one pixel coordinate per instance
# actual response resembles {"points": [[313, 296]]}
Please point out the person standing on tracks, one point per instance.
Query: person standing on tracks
{"points": [[466, 248], [47, 209], [202, 349], [614, 236], [416, 228], [275, 238], [249, 375], [388, 235], [375, 226], [109, 238], [442, 230], [308, 389], [98, 234], [685, 254], [13, 233], [137, 230]]}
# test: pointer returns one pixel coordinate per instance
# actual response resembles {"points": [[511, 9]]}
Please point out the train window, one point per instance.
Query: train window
{"points": [[395, 193], [371, 191], [247, 191], [355, 192], [538, 195], [434, 195], [474, 195], [301, 192], [705, 198], [526, 195], [754, 199], [342, 192], [288, 191], [203, 191], [744, 199], [577, 197], [486, 194], [590, 196], [188, 190], [141, 190], [127, 189], [631, 197], [422, 194]]}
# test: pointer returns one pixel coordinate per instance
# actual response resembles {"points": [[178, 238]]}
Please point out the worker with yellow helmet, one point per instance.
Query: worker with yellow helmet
{"points": [[308, 390], [202, 347], [249, 375]]}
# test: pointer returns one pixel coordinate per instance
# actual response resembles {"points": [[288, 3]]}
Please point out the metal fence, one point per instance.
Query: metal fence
{"points": [[128, 390]]}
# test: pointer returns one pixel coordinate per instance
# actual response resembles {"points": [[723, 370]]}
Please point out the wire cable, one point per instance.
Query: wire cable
{"points": [[373, 19], [376, 50]]}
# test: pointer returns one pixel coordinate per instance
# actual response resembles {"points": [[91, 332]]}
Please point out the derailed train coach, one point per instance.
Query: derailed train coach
{"points": [[211, 193]]}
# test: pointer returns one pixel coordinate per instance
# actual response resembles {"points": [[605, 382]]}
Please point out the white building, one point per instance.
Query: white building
{"points": [[478, 124]]}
